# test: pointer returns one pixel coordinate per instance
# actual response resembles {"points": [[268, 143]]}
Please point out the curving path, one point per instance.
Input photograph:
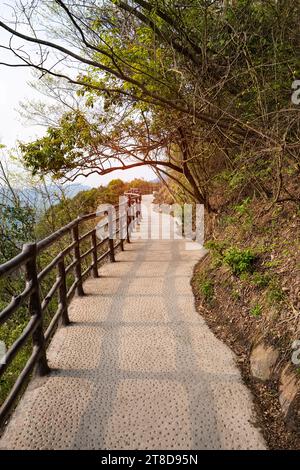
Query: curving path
{"points": [[138, 368]]}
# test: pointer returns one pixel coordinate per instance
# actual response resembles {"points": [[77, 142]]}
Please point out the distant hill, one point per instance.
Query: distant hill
{"points": [[40, 196], [155, 180]]}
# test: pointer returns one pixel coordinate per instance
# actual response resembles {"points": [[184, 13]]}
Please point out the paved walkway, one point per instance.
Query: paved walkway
{"points": [[138, 368]]}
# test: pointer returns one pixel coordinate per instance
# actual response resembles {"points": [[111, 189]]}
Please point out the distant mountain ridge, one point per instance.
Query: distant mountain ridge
{"points": [[41, 197]]}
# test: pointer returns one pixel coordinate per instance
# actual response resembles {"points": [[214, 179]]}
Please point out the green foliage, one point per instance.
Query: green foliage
{"points": [[243, 207], [245, 276], [261, 280], [235, 294], [17, 227], [275, 294], [273, 264], [17, 222], [178, 57], [63, 147], [227, 220], [240, 261], [206, 287], [9, 333], [216, 247], [256, 310], [234, 179]]}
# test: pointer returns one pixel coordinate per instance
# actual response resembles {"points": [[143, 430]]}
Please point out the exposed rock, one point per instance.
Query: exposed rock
{"points": [[262, 361], [289, 397]]}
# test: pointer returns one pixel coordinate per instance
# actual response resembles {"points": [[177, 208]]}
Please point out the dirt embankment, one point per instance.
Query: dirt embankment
{"points": [[248, 290]]}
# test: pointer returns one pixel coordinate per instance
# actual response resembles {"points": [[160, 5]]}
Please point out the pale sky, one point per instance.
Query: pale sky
{"points": [[14, 88]]}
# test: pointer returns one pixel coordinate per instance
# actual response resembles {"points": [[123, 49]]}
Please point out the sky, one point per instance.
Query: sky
{"points": [[15, 88]]}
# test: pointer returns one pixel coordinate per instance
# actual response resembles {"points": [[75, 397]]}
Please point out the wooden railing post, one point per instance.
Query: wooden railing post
{"points": [[63, 292], [121, 223], [35, 309], [111, 236], [121, 227], [140, 207], [95, 255], [128, 219], [111, 250], [78, 274], [135, 212]]}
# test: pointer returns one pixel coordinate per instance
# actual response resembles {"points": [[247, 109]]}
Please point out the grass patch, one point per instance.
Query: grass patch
{"points": [[206, 288], [235, 294], [256, 311], [275, 294], [216, 248], [261, 280]]}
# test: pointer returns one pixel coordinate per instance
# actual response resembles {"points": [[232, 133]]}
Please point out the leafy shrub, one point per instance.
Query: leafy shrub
{"points": [[240, 261]]}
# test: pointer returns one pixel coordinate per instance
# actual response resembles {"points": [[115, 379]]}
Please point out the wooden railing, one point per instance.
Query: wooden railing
{"points": [[118, 228]]}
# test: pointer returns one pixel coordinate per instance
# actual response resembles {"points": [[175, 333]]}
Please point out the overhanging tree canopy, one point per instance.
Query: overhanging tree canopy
{"points": [[210, 79]]}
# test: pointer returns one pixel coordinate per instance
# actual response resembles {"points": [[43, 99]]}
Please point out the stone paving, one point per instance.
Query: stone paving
{"points": [[138, 368]]}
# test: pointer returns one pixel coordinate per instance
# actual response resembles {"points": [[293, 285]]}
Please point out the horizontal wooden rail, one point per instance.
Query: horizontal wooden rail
{"points": [[26, 263], [15, 303], [13, 264]]}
